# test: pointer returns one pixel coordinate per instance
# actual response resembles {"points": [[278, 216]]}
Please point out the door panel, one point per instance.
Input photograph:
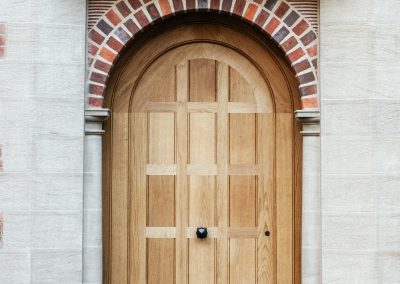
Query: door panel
{"points": [[199, 144]]}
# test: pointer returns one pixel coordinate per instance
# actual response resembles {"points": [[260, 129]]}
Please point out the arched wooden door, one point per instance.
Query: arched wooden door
{"points": [[201, 135]]}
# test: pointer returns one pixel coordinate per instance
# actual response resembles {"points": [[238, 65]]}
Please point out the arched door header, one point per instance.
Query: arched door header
{"points": [[278, 19]]}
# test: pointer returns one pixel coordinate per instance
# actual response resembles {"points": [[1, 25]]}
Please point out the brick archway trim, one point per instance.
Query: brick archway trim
{"points": [[277, 18]]}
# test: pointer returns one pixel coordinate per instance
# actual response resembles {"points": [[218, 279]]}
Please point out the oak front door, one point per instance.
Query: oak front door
{"points": [[201, 164]]}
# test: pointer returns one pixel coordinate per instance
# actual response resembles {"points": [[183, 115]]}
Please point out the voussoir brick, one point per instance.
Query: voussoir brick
{"points": [[165, 7], [96, 102], [250, 12], [141, 18], [239, 7], [153, 11], [282, 9], [301, 27], [113, 17], [272, 26], [261, 18]]}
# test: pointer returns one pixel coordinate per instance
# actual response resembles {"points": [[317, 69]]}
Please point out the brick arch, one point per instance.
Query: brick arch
{"points": [[277, 18]]}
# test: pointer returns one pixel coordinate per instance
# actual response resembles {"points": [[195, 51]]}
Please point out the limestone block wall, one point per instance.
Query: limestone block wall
{"points": [[42, 71], [360, 106]]}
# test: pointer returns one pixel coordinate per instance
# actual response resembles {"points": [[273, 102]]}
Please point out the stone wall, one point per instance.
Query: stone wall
{"points": [[360, 106], [41, 132]]}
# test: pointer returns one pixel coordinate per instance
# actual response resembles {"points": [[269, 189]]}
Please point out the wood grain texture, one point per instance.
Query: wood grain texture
{"points": [[202, 135]]}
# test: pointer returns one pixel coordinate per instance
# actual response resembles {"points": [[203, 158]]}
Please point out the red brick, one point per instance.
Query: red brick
{"points": [[107, 54], [165, 7], [102, 66], [202, 4], [270, 4], [2, 40], [190, 4], [226, 5], [141, 18], [135, 4], [312, 51], [104, 27], [96, 89], [272, 25], [98, 78], [122, 35], [113, 17], [308, 38], [131, 26], [250, 12], [315, 63], [261, 18], [239, 6], [178, 5], [92, 49], [123, 9], [289, 44], [295, 55], [146, 1], [301, 66], [306, 78], [309, 90], [258, 1], [96, 37], [291, 18], [309, 102], [97, 102], [154, 14], [115, 44], [300, 27], [282, 9], [281, 34], [3, 27]]}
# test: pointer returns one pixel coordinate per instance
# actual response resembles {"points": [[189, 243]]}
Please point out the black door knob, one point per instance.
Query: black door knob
{"points": [[201, 233]]}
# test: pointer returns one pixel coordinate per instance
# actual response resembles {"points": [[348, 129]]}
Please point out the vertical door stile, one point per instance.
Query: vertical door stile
{"points": [[137, 245], [284, 197], [222, 78], [266, 255], [182, 89]]}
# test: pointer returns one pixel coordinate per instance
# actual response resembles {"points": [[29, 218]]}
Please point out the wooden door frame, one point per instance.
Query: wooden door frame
{"points": [[242, 27]]}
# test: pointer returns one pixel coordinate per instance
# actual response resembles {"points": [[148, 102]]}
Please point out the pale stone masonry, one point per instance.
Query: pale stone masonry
{"points": [[42, 136], [360, 106]]}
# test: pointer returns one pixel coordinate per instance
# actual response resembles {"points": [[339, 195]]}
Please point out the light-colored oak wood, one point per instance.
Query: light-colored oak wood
{"points": [[222, 78], [202, 134]]}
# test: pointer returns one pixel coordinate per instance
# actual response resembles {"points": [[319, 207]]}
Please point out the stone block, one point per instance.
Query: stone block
{"points": [[350, 193], [92, 265], [55, 155], [56, 229], [17, 230], [59, 117], [92, 228], [57, 192], [351, 231], [349, 267], [56, 266], [14, 267], [15, 191]]}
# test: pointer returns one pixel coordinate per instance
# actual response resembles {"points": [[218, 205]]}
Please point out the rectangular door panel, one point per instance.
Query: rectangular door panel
{"points": [[242, 261], [160, 261]]}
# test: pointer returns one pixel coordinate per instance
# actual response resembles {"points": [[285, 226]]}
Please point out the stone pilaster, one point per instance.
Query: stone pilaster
{"points": [[92, 212], [311, 198]]}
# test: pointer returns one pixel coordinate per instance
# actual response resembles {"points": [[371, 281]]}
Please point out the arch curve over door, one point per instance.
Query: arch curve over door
{"points": [[202, 134]]}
